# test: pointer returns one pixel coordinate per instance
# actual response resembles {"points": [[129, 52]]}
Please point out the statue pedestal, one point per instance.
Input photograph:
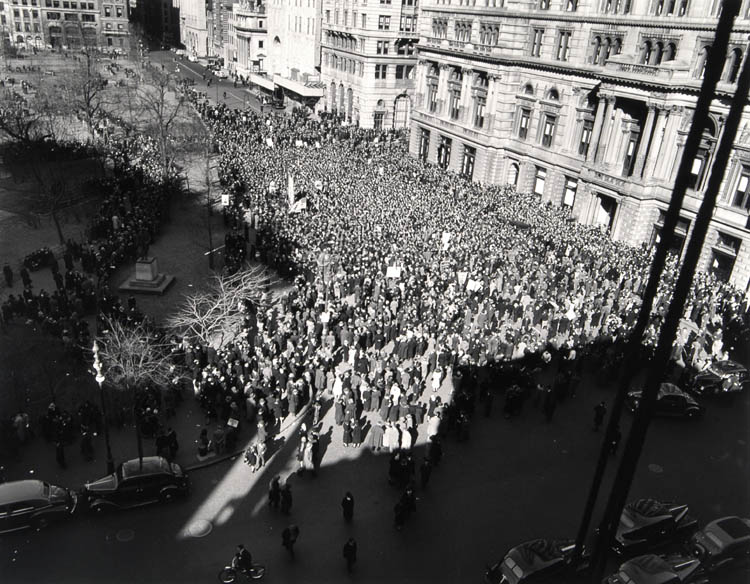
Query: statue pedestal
{"points": [[147, 278]]}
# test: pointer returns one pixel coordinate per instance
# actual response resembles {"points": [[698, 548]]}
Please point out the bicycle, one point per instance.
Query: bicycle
{"points": [[230, 574]]}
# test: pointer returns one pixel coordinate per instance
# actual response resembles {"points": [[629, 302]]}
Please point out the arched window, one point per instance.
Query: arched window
{"points": [[606, 50], [553, 95], [683, 8], [528, 89], [656, 56], [732, 67], [658, 7], [669, 52], [513, 173], [646, 51], [495, 35], [617, 46], [597, 50]]}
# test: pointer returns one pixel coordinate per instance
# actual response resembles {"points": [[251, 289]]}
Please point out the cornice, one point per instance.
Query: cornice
{"points": [[639, 21]]}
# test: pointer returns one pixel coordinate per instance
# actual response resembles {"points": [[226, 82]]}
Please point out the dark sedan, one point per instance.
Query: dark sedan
{"points": [[539, 560], [671, 401], [723, 543], [134, 484], [648, 523], [651, 569], [721, 378]]}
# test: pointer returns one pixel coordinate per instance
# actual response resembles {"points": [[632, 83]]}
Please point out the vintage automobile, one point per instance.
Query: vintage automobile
{"points": [[134, 484], [221, 73], [722, 543], [538, 560], [647, 523], [671, 401], [33, 504], [652, 569], [720, 378]]}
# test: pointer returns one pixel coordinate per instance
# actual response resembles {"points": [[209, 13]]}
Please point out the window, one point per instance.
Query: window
{"points": [[583, 145], [548, 130], [523, 125], [680, 233], [378, 120], [107, 10], [732, 67], [440, 28], [381, 71], [404, 71], [382, 47], [724, 254], [569, 194], [698, 169], [541, 176], [536, 42], [571, 5], [364, 21], [563, 46], [700, 68], [454, 107], [480, 103], [627, 163], [87, 17], [467, 164], [346, 18], [118, 9], [543, 4], [513, 173], [444, 152], [741, 198], [328, 16], [424, 144], [385, 1], [260, 23], [261, 44], [384, 22], [335, 17], [404, 48], [462, 31], [432, 87]]}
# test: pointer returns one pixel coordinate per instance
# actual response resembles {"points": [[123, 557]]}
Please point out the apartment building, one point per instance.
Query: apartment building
{"points": [[369, 61], [250, 38], [586, 103]]}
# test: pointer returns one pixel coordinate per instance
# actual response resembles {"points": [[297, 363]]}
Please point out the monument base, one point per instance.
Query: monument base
{"points": [[147, 279]]}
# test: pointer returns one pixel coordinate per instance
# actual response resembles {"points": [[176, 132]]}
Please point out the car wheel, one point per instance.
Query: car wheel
{"points": [[166, 496]]}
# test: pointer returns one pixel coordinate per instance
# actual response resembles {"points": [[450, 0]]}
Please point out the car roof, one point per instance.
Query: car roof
{"points": [[730, 528], [648, 508], [16, 491], [649, 569], [151, 465], [670, 389]]}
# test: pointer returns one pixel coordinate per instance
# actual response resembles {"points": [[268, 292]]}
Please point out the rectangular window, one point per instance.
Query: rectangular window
{"points": [[724, 256], [467, 164], [335, 17], [563, 46], [382, 47], [346, 18], [548, 130], [378, 120], [523, 123], [541, 176], [627, 163], [328, 16], [432, 97], [569, 194], [543, 4], [698, 170], [455, 100], [354, 18], [536, 42], [260, 44], [444, 152], [583, 145], [399, 71], [119, 12], [107, 10], [384, 22], [87, 17], [364, 21], [741, 198], [479, 105], [571, 5], [381, 71]]}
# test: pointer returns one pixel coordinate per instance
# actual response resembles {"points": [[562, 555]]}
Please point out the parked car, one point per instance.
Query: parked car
{"points": [[538, 560], [720, 378], [671, 401], [34, 504], [648, 523], [192, 58], [221, 73], [651, 569], [134, 484], [723, 542]]}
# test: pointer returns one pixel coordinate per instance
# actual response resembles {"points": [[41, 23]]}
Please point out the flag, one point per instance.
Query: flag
{"points": [[300, 205], [290, 189]]}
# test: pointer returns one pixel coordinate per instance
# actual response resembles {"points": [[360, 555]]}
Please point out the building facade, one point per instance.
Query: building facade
{"points": [[160, 20], [587, 104], [114, 24], [250, 37], [368, 60], [194, 27]]}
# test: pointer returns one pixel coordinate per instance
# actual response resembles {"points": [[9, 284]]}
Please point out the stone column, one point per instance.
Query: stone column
{"points": [[601, 148], [640, 157], [670, 146], [615, 139], [597, 130], [442, 93], [652, 157], [493, 91]]}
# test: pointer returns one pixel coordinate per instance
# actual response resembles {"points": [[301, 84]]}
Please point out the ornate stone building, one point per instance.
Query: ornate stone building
{"points": [[586, 103], [250, 38], [369, 60]]}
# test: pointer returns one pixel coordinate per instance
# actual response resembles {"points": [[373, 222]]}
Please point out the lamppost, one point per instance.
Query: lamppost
{"points": [[100, 380]]}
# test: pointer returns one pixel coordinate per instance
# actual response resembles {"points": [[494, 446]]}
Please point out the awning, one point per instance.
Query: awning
{"points": [[264, 82], [297, 87]]}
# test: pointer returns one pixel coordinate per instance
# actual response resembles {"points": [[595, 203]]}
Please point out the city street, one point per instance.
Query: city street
{"points": [[514, 480]]}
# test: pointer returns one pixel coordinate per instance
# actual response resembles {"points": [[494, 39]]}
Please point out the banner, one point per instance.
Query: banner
{"points": [[462, 277], [393, 272], [300, 205], [474, 285], [224, 200], [269, 141], [290, 189]]}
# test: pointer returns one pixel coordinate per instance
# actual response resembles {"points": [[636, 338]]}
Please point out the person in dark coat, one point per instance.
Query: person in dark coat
{"points": [[286, 499], [289, 538], [425, 471], [356, 433], [350, 554], [347, 434], [60, 454], [25, 278], [435, 450], [274, 492], [347, 505], [8, 273], [338, 412]]}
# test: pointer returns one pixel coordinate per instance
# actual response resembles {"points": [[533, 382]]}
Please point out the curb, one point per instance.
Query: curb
{"points": [[225, 457]]}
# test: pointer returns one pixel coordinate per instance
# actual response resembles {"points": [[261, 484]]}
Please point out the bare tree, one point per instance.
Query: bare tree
{"points": [[22, 119], [133, 358], [85, 91], [215, 316]]}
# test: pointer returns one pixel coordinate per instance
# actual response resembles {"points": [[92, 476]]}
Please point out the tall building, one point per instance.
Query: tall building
{"points": [[114, 24], [194, 26], [293, 61], [21, 21], [250, 36], [369, 60], [160, 19], [587, 103]]}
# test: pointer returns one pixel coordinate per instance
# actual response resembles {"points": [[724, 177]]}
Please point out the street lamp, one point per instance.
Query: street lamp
{"points": [[100, 380]]}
